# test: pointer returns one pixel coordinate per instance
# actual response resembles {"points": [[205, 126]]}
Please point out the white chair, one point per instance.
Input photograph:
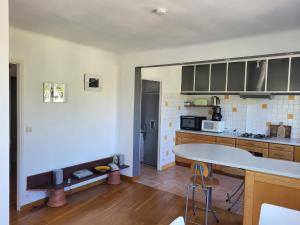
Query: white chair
{"points": [[276, 215], [178, 221]]}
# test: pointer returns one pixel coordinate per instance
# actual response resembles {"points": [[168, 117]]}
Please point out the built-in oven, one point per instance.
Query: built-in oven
{"points": [[191, 122]]}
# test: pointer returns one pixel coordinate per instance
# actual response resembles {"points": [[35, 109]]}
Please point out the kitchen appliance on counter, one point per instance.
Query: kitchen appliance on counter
{"points": [[216, 116], [254, 136], [213, 126], [215, 101], [191, 122]]}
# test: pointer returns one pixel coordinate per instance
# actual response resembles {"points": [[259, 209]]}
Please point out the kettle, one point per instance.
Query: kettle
{"points": [[215, 100]]}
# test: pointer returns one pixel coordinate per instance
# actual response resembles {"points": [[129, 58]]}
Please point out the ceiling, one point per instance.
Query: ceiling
{"points": [[126, 26]]}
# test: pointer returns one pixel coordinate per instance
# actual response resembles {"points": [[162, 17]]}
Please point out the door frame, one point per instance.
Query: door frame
{"points": [[20, 128], [158, 167]]}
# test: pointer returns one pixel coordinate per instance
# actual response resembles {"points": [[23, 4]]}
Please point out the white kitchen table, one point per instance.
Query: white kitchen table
{"points": [[238, 158], [278, 178]]}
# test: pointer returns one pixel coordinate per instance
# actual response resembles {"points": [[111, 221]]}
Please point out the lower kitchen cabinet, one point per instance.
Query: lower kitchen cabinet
{"points": [[297, 154], [265, 188], [225, 141], [284, 152], [258, 148], [275, 154], [226, 169], [188, 138]]}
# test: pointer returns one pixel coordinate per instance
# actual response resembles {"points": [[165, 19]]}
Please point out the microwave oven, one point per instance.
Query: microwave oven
{"points": [[213, 126], [191, 122]]}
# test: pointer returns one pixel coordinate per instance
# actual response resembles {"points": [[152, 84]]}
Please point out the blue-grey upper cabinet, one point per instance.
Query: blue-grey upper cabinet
{"points": [[278, 71], [236, 76], [295, 74], [187, 78], [202, 78], [218, 77], [256, 75]]}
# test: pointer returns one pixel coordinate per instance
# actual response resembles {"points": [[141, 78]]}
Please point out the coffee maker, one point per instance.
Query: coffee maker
{"points": [[216, 116]]}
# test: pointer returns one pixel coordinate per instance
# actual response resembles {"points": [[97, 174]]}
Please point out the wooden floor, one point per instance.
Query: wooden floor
{"points": [[125, 204], [176, 178]]}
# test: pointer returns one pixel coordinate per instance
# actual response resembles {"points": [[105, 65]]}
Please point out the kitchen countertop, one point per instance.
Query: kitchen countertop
{"points": [[238, 158], [285, 141]]}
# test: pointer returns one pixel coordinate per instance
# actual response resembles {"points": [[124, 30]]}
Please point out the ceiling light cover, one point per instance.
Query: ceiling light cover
{"points": [[160, 11]]}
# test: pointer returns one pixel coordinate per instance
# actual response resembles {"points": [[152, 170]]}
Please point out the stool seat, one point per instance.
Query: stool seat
{"points": [[209, 182]]}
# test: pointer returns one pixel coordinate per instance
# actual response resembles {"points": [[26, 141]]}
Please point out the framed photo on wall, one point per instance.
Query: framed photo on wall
{"points": [[54, 92], [93, 82]]}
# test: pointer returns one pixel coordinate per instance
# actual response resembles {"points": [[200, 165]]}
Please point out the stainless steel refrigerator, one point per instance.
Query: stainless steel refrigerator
{"points": [[149, 120]]}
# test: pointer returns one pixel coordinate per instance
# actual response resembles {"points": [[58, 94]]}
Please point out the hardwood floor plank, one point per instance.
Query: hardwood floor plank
{"points": [[125, 204]]}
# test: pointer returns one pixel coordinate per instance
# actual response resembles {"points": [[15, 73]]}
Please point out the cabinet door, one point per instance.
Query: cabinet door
{"points": [[218, 77], [295, 74], [278, 70], [256, 75], [202, 78], [236, 76], [297, 154], [187, 78]]}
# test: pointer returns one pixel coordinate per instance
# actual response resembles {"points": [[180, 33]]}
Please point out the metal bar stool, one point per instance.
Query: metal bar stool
{"points": [[201, 179], [229, 197]]}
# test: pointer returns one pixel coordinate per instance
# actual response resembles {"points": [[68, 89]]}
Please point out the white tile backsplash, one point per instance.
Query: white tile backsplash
{"points": [[252, 116]]}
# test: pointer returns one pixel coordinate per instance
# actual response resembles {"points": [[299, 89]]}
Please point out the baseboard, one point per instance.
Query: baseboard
{"points": [[34, 204], [183, 164], [129, 179], [43, 201], [169, 165]]}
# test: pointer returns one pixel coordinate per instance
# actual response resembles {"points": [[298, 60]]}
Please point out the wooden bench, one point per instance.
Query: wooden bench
{"points": [[57, 198]]}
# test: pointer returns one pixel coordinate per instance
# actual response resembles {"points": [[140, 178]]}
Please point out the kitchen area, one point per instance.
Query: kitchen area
{"points": [[246, 100], [249, 103], [273, 140]]}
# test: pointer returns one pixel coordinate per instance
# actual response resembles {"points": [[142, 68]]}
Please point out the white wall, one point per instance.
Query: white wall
{"points": [[169, 76], [4, 114], [256, 45], [63, 134]]}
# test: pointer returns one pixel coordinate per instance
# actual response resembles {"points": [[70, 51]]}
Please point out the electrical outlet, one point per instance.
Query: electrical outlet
{"points": [[28, 129]]}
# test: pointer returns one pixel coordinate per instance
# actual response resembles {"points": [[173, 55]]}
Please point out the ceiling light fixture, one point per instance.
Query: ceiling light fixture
{"points": [[160, 11]]}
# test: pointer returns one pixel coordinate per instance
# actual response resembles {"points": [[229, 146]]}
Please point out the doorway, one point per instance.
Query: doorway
{"points": [[149, 135], [13, 125]]}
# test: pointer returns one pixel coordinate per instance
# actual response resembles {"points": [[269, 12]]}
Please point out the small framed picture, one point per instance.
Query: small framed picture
{"points": [[54, 92], [93, 82]]}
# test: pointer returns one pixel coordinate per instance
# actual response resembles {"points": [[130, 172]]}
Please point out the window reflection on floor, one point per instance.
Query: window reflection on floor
{"points": [[175, 179]]}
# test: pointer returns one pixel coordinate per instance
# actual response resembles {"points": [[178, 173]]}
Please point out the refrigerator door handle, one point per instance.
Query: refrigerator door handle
{"points": [[145, 131], [153, 124]]}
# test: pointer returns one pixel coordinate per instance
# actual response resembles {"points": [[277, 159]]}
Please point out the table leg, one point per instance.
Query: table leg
{"points": [[210, 169], [210, 174]]}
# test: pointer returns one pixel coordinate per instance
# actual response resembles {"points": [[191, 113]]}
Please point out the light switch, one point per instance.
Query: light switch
{"points": [[28, 129]]}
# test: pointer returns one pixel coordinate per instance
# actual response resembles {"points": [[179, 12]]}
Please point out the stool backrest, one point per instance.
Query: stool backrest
{"points": [[198, 167]]}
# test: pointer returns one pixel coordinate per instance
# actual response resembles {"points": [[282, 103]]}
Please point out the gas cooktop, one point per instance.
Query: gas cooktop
{"points": [[255, 136]]}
